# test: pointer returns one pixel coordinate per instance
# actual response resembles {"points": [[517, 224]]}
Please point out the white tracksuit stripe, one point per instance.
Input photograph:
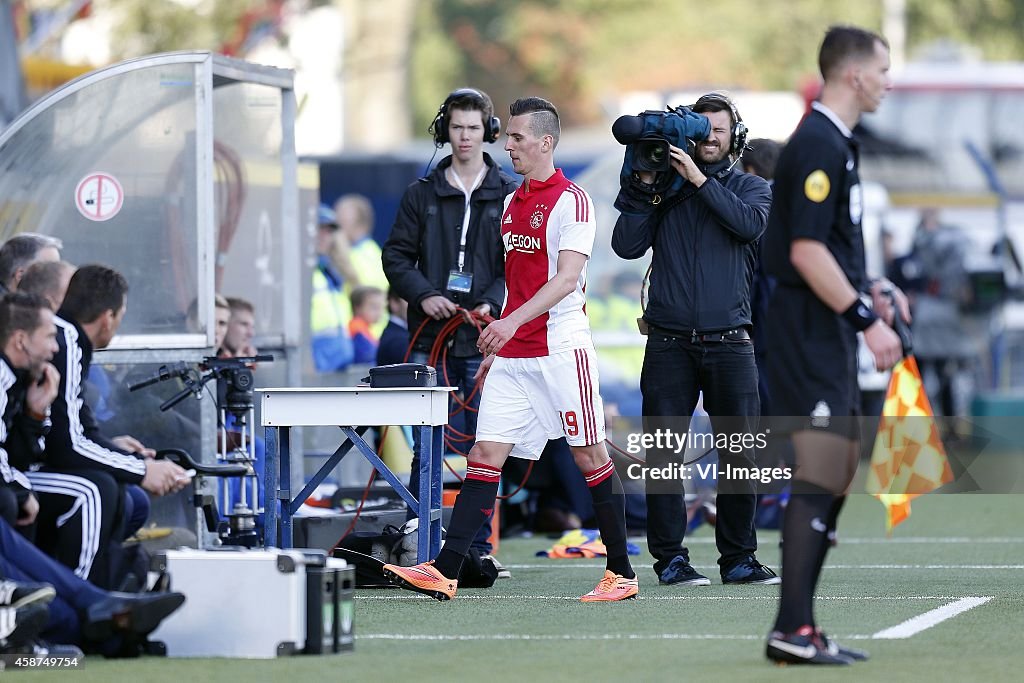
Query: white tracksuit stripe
{"points": [[72, 398], [9, 473], [87, 500]]}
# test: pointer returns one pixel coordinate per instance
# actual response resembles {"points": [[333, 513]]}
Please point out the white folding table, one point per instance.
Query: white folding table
{"points": [[354, 410]]}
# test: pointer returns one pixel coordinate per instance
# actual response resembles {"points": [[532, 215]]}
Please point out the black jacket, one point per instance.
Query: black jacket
{"points": [[423, 248], [705, 248], [21, 436], [75, 441]]}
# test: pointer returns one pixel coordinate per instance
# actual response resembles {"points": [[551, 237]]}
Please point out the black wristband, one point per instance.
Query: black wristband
{"points": [[859, 315]]}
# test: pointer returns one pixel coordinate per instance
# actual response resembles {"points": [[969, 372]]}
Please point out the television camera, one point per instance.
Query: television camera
{"points": [[236, 454], [647, 137]]}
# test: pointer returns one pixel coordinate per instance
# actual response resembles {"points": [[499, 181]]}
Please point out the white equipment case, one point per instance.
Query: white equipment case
{"points": [[253, 603]]}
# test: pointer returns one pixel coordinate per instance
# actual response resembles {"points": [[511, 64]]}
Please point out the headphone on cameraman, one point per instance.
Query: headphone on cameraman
{"points": [[439, 126], [738, 136]]}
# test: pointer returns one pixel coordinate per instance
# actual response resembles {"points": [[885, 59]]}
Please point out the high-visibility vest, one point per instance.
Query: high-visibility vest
{"points": [[329, 314], [366, 261]]}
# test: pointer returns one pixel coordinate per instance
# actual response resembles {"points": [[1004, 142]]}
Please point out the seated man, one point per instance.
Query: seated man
{"points": [[237, 340], [28, 385], [20, 252], [81, 480], [48, 279]]}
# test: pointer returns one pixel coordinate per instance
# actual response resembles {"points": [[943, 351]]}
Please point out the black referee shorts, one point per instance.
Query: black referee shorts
{"points": [[812, 365]]}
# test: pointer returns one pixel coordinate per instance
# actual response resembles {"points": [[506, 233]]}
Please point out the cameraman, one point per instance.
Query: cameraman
{"points": [[705, 246]]}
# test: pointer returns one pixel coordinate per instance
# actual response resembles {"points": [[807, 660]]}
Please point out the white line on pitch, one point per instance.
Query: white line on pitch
{"points": [[931, 618], [577, 565], [956, 540], [925, 566], [937, 540], [475, 596], [569, 636]]}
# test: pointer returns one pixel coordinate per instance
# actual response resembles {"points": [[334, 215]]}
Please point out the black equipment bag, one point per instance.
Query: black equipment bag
{"points": [[402, 375]]}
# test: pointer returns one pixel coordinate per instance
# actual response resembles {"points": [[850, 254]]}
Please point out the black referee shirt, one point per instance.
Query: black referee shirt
{"points": [[818, 196]]}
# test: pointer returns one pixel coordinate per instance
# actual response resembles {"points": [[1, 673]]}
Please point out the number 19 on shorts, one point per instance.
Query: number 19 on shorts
{"points": [[569, 423]]}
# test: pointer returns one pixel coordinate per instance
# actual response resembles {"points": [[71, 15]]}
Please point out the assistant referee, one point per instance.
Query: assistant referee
{"points": [[815, 249]]}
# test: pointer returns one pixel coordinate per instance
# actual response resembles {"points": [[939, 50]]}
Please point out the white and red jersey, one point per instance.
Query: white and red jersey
{"points": [[542, 218]]}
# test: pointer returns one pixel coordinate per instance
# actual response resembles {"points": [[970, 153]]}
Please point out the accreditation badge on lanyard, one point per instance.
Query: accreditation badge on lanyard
{"points": [[460, 280]]}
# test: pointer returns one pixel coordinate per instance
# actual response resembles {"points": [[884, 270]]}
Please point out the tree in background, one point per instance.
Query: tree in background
{"points": [[581, 53]]}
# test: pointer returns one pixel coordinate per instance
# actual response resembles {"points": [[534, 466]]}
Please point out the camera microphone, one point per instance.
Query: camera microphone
{"points": [[165, 372], [628, 129]]}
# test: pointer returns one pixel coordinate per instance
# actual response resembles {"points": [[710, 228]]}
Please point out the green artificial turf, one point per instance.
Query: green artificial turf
{"points": [[532, 628]]}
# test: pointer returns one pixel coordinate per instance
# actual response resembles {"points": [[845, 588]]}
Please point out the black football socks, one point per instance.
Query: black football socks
{"points": [[473, 507], [804, 537], [610, 510]]}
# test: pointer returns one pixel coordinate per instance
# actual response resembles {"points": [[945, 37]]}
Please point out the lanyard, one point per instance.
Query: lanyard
{"points": [[465, 216]]}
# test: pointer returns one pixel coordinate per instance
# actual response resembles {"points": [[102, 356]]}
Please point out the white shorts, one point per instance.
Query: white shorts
{"points": [[527, 401]]}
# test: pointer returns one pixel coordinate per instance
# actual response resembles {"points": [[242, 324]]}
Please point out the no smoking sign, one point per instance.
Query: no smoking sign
{"points": [[99, 196]]}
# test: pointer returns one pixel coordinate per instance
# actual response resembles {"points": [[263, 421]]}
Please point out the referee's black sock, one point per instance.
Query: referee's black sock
{"points": [[804, 533], [830, 535], [610, 510], [473, 507]]}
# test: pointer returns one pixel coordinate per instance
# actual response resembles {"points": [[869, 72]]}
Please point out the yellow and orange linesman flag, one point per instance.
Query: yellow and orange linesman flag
{"points": [[908, 459]]}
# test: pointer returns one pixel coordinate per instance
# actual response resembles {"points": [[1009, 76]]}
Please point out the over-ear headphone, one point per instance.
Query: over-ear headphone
{"points": [[439, 126], [738, 137]]}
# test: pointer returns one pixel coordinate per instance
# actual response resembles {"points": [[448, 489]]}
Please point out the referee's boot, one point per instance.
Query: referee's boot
{"points": [[804, 646], [835, 648]]}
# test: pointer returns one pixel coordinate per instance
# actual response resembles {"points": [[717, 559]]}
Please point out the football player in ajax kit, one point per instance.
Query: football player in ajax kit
{"points": [[540, 365]]}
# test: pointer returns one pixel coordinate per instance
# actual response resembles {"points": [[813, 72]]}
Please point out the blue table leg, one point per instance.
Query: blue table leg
{"points": [[270, 499], [436, 484], [285, 494], [425, 443]]}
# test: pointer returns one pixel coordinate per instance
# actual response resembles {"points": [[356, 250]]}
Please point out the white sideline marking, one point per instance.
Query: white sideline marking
{"points": [[569, 636], [925, 621], [773, 597], [937, 540], [925, 566], [578, 565]]}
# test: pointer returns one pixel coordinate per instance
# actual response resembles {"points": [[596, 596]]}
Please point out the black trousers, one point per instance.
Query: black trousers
{"points": [[80, 522], [675, 371], [9, 508]]}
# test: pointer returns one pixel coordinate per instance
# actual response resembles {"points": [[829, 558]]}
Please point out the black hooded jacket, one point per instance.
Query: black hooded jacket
{"points": [[705, 248], [423, 248]]}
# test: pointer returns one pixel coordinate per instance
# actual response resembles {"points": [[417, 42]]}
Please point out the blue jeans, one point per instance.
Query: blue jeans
{"points": [[675, 371], [22, 561], [136, 509], [460, 374]]}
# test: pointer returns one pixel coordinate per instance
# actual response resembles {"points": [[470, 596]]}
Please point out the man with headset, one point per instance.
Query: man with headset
{"points": [[698, 324], [445, 252]]}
